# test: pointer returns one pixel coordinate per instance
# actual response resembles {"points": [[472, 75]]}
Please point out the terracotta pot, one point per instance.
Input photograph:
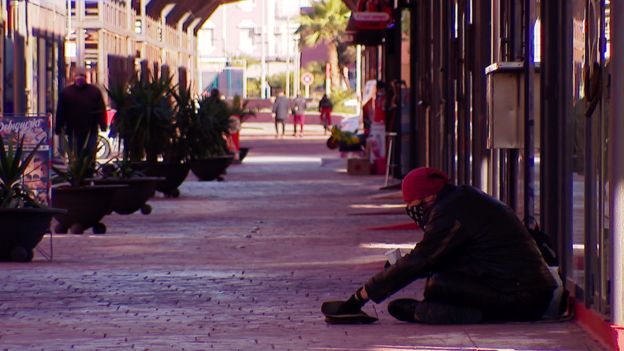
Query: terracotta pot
{"points": [[211, 168], [86, 206], [22, 230]]}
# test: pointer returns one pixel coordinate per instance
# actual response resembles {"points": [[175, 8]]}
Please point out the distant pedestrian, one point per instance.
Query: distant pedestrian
{"points": [[325, 108], [280, 111], [79, 112], [299, 106]]}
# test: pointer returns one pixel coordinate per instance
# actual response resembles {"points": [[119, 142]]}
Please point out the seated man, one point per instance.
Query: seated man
{"points": [[480, 262]]}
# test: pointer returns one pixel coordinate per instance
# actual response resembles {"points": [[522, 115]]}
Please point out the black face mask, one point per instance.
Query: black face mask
{"points": [[418, 213]]}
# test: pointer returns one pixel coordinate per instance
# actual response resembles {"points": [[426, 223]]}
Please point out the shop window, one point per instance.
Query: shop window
{"points": [[91, 8]]}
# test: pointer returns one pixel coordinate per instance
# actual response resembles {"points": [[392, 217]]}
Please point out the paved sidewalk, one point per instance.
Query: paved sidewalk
{"points": [[241, 264]]}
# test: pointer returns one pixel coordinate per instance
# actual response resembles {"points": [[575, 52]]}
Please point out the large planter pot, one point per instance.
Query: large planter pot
{"points": [[22, 230], [86, 206], [211, 168], [134, 195], [172, 174]]}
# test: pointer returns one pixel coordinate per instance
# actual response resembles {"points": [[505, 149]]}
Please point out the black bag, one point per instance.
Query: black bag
{"points": [[544, 245]]}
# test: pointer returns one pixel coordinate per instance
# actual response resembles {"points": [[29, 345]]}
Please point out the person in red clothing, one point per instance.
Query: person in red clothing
{"points": [[325, 107], [79, 113]]}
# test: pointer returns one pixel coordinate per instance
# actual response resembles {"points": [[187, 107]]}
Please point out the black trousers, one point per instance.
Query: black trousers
{"points": [[459, 290]]}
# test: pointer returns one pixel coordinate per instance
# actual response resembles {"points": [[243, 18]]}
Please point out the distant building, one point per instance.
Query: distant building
{"points": [[248, 41]]}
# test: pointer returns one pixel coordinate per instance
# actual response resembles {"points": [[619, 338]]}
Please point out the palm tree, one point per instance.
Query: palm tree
{"points": [[326, 23]]}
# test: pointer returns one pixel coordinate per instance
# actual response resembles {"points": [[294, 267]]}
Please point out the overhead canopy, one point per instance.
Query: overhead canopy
{"points": [[191, 12]]}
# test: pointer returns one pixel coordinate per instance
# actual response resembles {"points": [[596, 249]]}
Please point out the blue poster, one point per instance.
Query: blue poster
{"points": [[33, 129]]}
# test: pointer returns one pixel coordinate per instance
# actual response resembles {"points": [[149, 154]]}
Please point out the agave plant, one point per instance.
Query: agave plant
{"points": [[79, 164], [209, 127], [239, 108], [144, 118], [13, 192], [185, 113]]}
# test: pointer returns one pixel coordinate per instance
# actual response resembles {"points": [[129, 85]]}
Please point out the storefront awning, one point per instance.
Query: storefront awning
{"points": [[368, 22], [363, 37]]}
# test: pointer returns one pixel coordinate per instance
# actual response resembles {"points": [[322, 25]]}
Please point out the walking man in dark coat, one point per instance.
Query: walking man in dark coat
{"points": [[80, 111], [480, 262]]}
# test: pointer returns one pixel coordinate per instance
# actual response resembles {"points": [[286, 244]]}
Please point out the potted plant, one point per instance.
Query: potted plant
{"points": [[145, 123], [207, 138], [85, 202], [138, 188], [23, 219]]}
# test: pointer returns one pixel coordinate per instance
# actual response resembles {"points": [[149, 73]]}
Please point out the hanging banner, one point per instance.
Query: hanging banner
{"points": [[33, 129]]}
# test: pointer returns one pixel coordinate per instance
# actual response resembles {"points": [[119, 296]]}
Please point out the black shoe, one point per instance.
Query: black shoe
{"points": [[410, 310]]}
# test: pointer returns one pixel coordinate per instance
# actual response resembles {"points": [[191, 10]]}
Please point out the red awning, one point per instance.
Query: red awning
{"points": [[369, 21]]}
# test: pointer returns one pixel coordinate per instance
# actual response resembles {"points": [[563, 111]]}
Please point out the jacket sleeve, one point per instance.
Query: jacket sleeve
{"points": [[442, 237]]}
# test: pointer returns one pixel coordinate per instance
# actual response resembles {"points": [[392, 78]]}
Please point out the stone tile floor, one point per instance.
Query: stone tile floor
{"points": [[242, 264]]}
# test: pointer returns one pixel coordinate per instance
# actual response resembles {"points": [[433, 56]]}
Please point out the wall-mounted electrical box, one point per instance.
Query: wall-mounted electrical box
{"points": [[505, 98]]}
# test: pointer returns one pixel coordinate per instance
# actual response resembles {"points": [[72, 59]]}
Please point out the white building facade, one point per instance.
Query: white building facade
{"points": [[250, 39]]}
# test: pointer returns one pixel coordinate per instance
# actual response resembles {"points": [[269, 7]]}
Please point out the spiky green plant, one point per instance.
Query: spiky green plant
{"points": [[210, 125], [13, 192], [239, 108], [80, 164], [144, 118], [185, 112]]}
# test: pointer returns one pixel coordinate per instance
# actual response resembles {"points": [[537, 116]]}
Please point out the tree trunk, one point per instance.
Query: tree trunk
{"points": [[332, 54]]}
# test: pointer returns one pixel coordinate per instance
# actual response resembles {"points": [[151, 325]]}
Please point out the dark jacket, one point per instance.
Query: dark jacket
{"points": [[470, 233], [80, 110]]}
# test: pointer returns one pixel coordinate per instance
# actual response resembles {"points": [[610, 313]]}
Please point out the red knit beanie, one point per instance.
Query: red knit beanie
{"points": [[422, 182]]}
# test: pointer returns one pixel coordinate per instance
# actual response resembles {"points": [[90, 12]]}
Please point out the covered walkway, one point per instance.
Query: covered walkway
{"points": [[239, 265]]}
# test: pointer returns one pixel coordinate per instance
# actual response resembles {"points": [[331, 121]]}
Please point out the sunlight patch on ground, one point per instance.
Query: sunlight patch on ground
{"points": [[362, 260], [283, 159], [387, 246], [377, 206]]}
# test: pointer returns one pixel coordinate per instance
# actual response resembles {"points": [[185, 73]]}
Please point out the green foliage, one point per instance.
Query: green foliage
{"points": [[344, 138], [327, 22], [185, 112], [13, 192], [79, 163], [210, 124], [339, 98], [239, 108], [278, 80], [144, 118], [253, 87], [119, 168]]}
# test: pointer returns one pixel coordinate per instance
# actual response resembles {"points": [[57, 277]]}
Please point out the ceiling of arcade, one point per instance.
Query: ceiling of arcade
{"points": [[194, 12], [191, 12]]}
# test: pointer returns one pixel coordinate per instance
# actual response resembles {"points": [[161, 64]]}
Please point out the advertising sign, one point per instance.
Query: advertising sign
{"points": [[33, 129]]}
